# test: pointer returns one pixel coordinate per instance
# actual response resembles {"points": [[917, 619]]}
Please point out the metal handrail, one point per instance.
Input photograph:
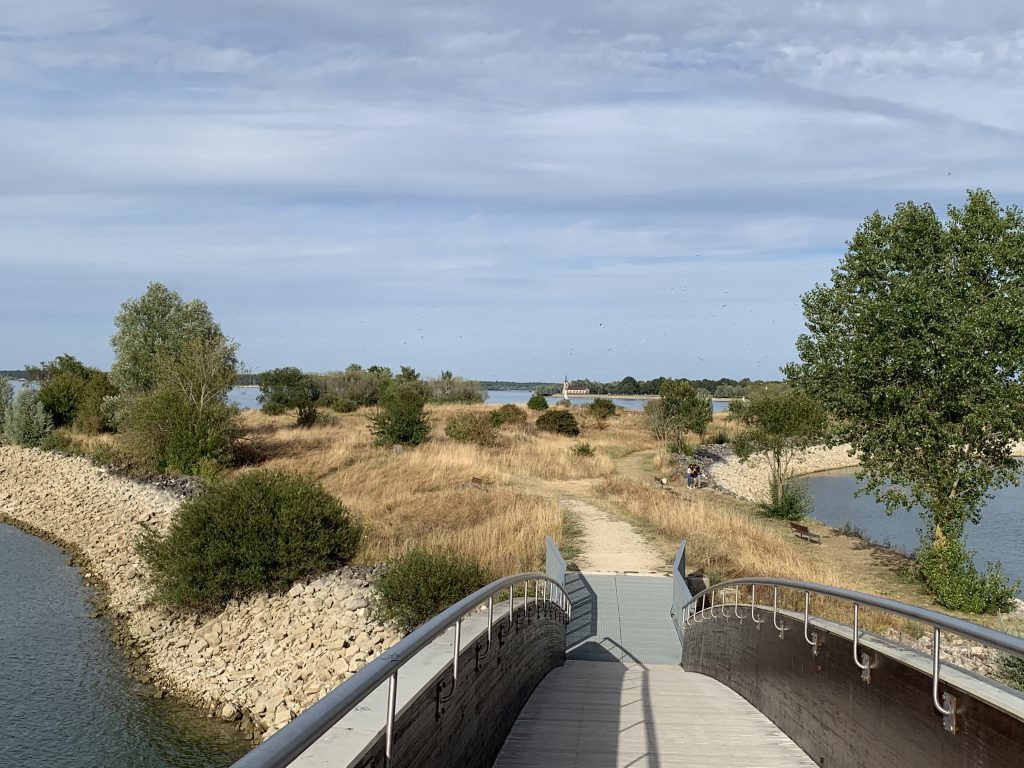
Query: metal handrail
{"points": [[291, 741], [937, 621]]}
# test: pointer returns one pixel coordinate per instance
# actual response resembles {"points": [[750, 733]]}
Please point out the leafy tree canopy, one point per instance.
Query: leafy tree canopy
{"points": [[156, 326], [917, 349]]}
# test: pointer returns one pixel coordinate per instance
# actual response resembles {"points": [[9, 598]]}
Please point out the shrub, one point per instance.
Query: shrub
{"points": [[718, 438], [284, 388], [6, 399], [259, 531], [787, 501], [185, 416], [26, 421], [399, 417], [420, 584], [1011, 670], [508, 414], [559, 421], [472, 428], [73, 393], [537, 403], [168, 432], [59, 441], [602, 408], [949, 571], [340, 404], [454, 389], [583, 449]]}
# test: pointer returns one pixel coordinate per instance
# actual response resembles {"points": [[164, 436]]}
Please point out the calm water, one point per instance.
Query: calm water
{"points": [[999, 535], [520, 396], [66, 697]]}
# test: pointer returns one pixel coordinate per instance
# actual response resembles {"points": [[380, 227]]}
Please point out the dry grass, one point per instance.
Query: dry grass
{"points": [[722, 540], [424, 496]]}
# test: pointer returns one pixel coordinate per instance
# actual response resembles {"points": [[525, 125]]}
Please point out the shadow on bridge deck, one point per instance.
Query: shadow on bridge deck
{"points": [[618, 617]]}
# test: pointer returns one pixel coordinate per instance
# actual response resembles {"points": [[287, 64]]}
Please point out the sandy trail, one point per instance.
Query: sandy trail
{"points": [[608, 544]]}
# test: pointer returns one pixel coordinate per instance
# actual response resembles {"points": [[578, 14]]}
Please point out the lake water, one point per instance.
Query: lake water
{"points": [[65, 692], [999, 535], [246, 397]]}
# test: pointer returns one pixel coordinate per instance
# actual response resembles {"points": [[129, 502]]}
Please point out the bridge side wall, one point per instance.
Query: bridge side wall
{"points": [[833, 715], [491, 692]]}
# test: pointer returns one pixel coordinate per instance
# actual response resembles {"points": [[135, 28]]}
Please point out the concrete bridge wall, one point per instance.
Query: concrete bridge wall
{"points": [[472, 725], [822, 703]]}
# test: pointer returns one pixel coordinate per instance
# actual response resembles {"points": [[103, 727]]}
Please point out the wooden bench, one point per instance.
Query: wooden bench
{"points": [[805, 533]]}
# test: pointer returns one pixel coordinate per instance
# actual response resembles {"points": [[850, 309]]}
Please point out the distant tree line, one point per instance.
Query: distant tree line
{"points": [[723, 387]]}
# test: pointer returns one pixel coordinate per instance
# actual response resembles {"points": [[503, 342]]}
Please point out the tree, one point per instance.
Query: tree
{"points": [[285, 388], [779, 425], [73, 393], [679, 409], [400, 418], [6, 399], [184, 422], [915, 348], [449, 388], [26, 421], [153, 329]]}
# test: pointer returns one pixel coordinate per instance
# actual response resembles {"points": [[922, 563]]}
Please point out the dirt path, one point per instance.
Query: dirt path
{"points": [[607, 544]]}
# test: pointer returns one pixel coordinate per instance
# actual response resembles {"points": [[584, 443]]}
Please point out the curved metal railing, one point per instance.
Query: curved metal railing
{"points": [[292, 740], [699, 608]]}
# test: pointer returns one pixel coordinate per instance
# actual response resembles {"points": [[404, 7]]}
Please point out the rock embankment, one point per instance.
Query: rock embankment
{"points": [[749, 479], [260, 661]]}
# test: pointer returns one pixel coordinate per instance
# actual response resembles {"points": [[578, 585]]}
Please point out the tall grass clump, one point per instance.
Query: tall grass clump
{"points": [[258, 531], [419, 585]]}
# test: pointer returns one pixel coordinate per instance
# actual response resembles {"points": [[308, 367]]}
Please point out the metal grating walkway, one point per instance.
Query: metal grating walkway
{"points": [[599, 715], [621, 618]]}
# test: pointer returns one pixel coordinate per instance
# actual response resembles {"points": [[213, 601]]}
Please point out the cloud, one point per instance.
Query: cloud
{"points": [[341, 171]]}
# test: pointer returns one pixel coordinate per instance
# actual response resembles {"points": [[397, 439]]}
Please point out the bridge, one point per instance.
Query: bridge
{"points": [[616, 670]]}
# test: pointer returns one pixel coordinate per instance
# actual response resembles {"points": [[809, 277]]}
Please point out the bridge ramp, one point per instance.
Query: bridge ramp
{"points": [[611, 715], [619, 617]]}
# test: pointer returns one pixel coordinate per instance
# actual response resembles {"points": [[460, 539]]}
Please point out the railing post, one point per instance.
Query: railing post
{"points": [[389, 728]]}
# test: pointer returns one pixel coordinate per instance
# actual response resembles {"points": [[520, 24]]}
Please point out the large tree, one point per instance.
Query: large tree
{"points": [[155, 328], [173, 372], [917, 349], [679, 409]]}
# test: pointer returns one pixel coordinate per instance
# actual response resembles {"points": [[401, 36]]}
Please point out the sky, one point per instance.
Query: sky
{"points": [[508, 190]]}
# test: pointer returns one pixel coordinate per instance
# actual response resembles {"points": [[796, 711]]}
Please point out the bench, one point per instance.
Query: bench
{"points": [[805, 533]]}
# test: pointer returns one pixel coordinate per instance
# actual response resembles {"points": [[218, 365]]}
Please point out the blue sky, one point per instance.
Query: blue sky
{"points": [[516, 190]]}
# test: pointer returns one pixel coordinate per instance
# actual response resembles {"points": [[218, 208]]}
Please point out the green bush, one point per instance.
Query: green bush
{"points": [[59, 441], [718, 438], [956, 583], [508, 414], [559, 421], [285, 388], [537, 403], [6, 400], [26, 421], [602, 408], [420, 584], [454, 389], [583, 449], [1011, 670], [168, 432], [399, 418], [340, 404], [793, 503], [472, 428], [259, 531]]}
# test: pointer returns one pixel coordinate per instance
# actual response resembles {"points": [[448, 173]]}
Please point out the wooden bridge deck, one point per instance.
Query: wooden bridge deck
{"points": [[602, 714]]}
